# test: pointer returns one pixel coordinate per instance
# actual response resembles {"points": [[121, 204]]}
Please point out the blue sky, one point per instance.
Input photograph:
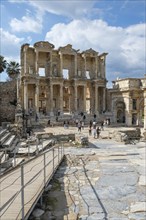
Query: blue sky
{"points": [[117, 27]]}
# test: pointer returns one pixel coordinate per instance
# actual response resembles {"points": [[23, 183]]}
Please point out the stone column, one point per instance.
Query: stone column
{"points": [[96, 100], [144, 109], [47, 99], [104, 97], [84, 57], [51, 100], [75, 65], [37, 98], [36, 63], [96, 67], [25, 63], [128, 115], [25, 96], [61, 64], [84, 99], [61, 98], [75, 97]]}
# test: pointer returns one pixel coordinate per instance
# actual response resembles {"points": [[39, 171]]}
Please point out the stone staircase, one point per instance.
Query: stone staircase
{"points": [[8, 140]]}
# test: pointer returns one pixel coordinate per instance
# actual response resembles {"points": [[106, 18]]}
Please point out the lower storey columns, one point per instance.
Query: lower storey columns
{"points": [[37, 98], [75, 98], [96, 99], [61, 98], [84, 99], [25, 97]]}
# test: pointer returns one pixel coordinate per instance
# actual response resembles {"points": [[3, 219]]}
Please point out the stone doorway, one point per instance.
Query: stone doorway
{"points": [[120, 112]]}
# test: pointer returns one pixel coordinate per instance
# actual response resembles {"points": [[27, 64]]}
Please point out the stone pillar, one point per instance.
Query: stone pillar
{"points": [[128, 110], [75, 97], [84, 99], [75, 65], [37, 98], [25, 96], [36, 63], [96, 108], [84, 57], [104, 97], [144, 109], [61, 98], [51, 100], [96, 67], [25, 63], [47, 99], [61, 64]]}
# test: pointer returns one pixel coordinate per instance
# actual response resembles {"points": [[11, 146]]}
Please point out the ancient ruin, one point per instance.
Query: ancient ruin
{"points": [[64, 80], [54, 82]]}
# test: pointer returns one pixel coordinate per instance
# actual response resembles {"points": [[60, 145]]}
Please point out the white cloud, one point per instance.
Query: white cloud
{"points": [[72, 9], [124, 45], [10, 45], [26, 24]]}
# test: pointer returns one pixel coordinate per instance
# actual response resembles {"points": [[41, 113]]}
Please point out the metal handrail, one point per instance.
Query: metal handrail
{"points": [[41, 167]]}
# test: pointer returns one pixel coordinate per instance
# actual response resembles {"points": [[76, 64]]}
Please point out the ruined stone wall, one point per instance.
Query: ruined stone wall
{"points": [[8, 93]]}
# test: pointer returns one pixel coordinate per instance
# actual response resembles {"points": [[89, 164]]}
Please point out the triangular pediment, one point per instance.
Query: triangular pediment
{"points": [[90, 51], [67, 49], [44, 44]]}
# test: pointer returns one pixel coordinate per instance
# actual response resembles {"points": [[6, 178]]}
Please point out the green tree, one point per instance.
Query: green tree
{"points": [[3, 64], [13, 69]]}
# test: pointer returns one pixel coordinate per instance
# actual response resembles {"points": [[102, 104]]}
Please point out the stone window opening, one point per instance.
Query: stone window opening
{"points": [[65, 74], [87, 74], [41, 71], [134, 104]]}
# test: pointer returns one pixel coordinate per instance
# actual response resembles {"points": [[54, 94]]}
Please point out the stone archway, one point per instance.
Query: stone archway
{"points": [[120, 112]]}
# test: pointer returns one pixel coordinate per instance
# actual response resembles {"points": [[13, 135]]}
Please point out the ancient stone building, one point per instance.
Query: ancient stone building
{"points": [[62, 80], [127, 101]]}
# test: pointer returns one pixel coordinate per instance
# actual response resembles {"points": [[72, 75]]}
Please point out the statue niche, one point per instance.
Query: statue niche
{"points": [[55, 72]]}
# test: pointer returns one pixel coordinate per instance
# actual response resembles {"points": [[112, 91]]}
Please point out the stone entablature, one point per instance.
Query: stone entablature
{"points": [[129, 83], [64, 79]]}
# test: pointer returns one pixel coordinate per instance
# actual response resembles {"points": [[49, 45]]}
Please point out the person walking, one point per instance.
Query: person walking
{"points": [[90, 130], [98, 132], [94, 132], [79, 126]]}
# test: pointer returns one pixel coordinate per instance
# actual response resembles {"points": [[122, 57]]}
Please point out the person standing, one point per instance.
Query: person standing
{"points": [[98, 132]]}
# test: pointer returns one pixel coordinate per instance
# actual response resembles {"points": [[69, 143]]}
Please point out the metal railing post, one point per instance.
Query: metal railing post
{"points": [[22, 190], [53, 160], [44, 169], [58, 154]]}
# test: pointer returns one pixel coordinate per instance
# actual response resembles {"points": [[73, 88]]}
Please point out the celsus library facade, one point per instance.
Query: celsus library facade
{"points": [[66, 80]]}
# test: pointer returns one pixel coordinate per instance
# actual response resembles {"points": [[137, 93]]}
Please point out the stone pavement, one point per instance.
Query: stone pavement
{"points": [[106, 180]]}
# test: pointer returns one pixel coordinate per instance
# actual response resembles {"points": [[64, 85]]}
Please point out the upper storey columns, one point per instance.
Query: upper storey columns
{"points": [[61, 62]]}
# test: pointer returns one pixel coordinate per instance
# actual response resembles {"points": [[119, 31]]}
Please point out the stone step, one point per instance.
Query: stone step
{"points": [[15, 142], [5, 137], [4, 158], [9, 141], [2, 132]]}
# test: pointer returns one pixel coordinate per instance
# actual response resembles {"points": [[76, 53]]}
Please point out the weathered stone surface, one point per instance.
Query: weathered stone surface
{"points": [[138, 207], [37, 213], [142, 181]]}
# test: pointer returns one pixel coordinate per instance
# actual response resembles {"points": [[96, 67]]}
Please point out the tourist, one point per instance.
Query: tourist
{"points": [[101, 125], [76, 121], [82, 125], [94, 132], [90, 130], [91, 123], [79, 126], [36, 117], [98, 132]]}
